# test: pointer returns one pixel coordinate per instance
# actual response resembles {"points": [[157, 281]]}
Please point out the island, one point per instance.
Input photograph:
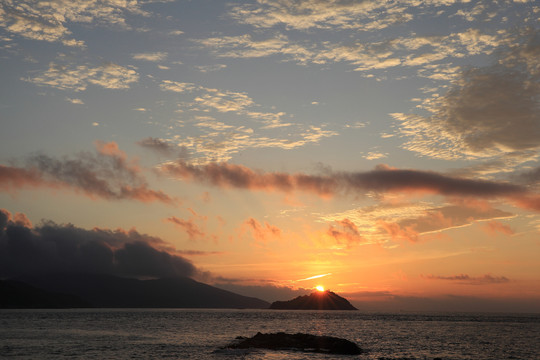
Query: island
{"points": [[319, 300]]}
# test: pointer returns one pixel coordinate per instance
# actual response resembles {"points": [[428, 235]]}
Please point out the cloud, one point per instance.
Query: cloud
{"points": [[210, 68], [77, 78], [238, 176], [382, 179], [154, 56], [163, 147], [493, 227], [108, 174], [374, 155], [307, 14], [402, 220], [262, 232], [175, 86], [266, 292], [245, 125], [369, 54], [453, 216], [49, 21], [223, 101], [75, 101], [470, 280], [398, 232], [346, 231], [489, 112], [198, 252], [188, 226], [219, 146], [50, 247]]}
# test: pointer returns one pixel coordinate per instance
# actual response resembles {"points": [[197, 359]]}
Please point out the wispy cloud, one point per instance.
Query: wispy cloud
{"points": [[75, 101], [366, 55], [188, 226], [50, 21], [262, 232], [215, 140], [306, 14], [163, 147], [471, 280], [210, 68], [314, 277], [77, 78], [152, 56]]}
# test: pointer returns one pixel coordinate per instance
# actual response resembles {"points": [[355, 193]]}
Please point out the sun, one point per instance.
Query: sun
{"points": [[319, 288]]}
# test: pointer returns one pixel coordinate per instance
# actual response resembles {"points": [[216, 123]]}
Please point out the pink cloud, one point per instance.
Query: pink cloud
{"points": [[494, 227]]}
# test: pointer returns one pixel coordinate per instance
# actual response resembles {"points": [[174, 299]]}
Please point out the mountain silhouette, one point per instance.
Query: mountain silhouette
{"points": [[117, 292], [18, 295], [320, 300]]}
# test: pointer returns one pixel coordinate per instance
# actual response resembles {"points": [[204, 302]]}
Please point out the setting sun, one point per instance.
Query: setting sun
{"points": [[319, 288]]}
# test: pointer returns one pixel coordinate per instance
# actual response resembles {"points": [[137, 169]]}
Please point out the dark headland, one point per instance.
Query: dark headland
{"points": [[67, 290], [319, 300]]}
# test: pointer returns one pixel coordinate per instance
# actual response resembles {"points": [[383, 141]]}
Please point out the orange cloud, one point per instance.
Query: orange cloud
{"points": [[348, 232], [12, 178], [262, 233], [189, 226], [397, 232]]}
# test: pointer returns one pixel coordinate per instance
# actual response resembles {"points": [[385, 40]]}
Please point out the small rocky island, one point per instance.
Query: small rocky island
{"points": [[297, 342], [319, 300]]}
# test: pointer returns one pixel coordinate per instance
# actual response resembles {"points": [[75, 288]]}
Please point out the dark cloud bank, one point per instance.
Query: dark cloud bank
{"points": [[52, 248]]}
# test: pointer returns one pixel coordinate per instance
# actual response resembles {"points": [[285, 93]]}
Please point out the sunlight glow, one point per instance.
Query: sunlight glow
{"points": [[319, 288]]}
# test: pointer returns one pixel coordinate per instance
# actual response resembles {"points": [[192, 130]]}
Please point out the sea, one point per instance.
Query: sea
{"points": [[204, 334]]}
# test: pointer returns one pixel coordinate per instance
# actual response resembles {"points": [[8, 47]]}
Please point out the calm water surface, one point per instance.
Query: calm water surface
{"points": [[199, 334]]}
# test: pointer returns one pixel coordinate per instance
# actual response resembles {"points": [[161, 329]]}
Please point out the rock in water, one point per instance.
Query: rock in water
{"points": [[298, 342]]}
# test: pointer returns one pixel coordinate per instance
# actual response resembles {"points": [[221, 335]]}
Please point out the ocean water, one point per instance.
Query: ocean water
{"points": [[201, 334]]}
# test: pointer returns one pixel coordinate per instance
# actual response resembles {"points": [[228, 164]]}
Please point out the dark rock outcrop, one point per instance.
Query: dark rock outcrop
{"points": [[298, 342], [320, 300]]}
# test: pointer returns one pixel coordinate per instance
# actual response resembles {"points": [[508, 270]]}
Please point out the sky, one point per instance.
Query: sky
{"points": [[386, 150]]}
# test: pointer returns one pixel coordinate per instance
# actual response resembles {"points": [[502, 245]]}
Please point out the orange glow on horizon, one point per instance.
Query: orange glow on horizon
{"points": [[319, 288]]}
